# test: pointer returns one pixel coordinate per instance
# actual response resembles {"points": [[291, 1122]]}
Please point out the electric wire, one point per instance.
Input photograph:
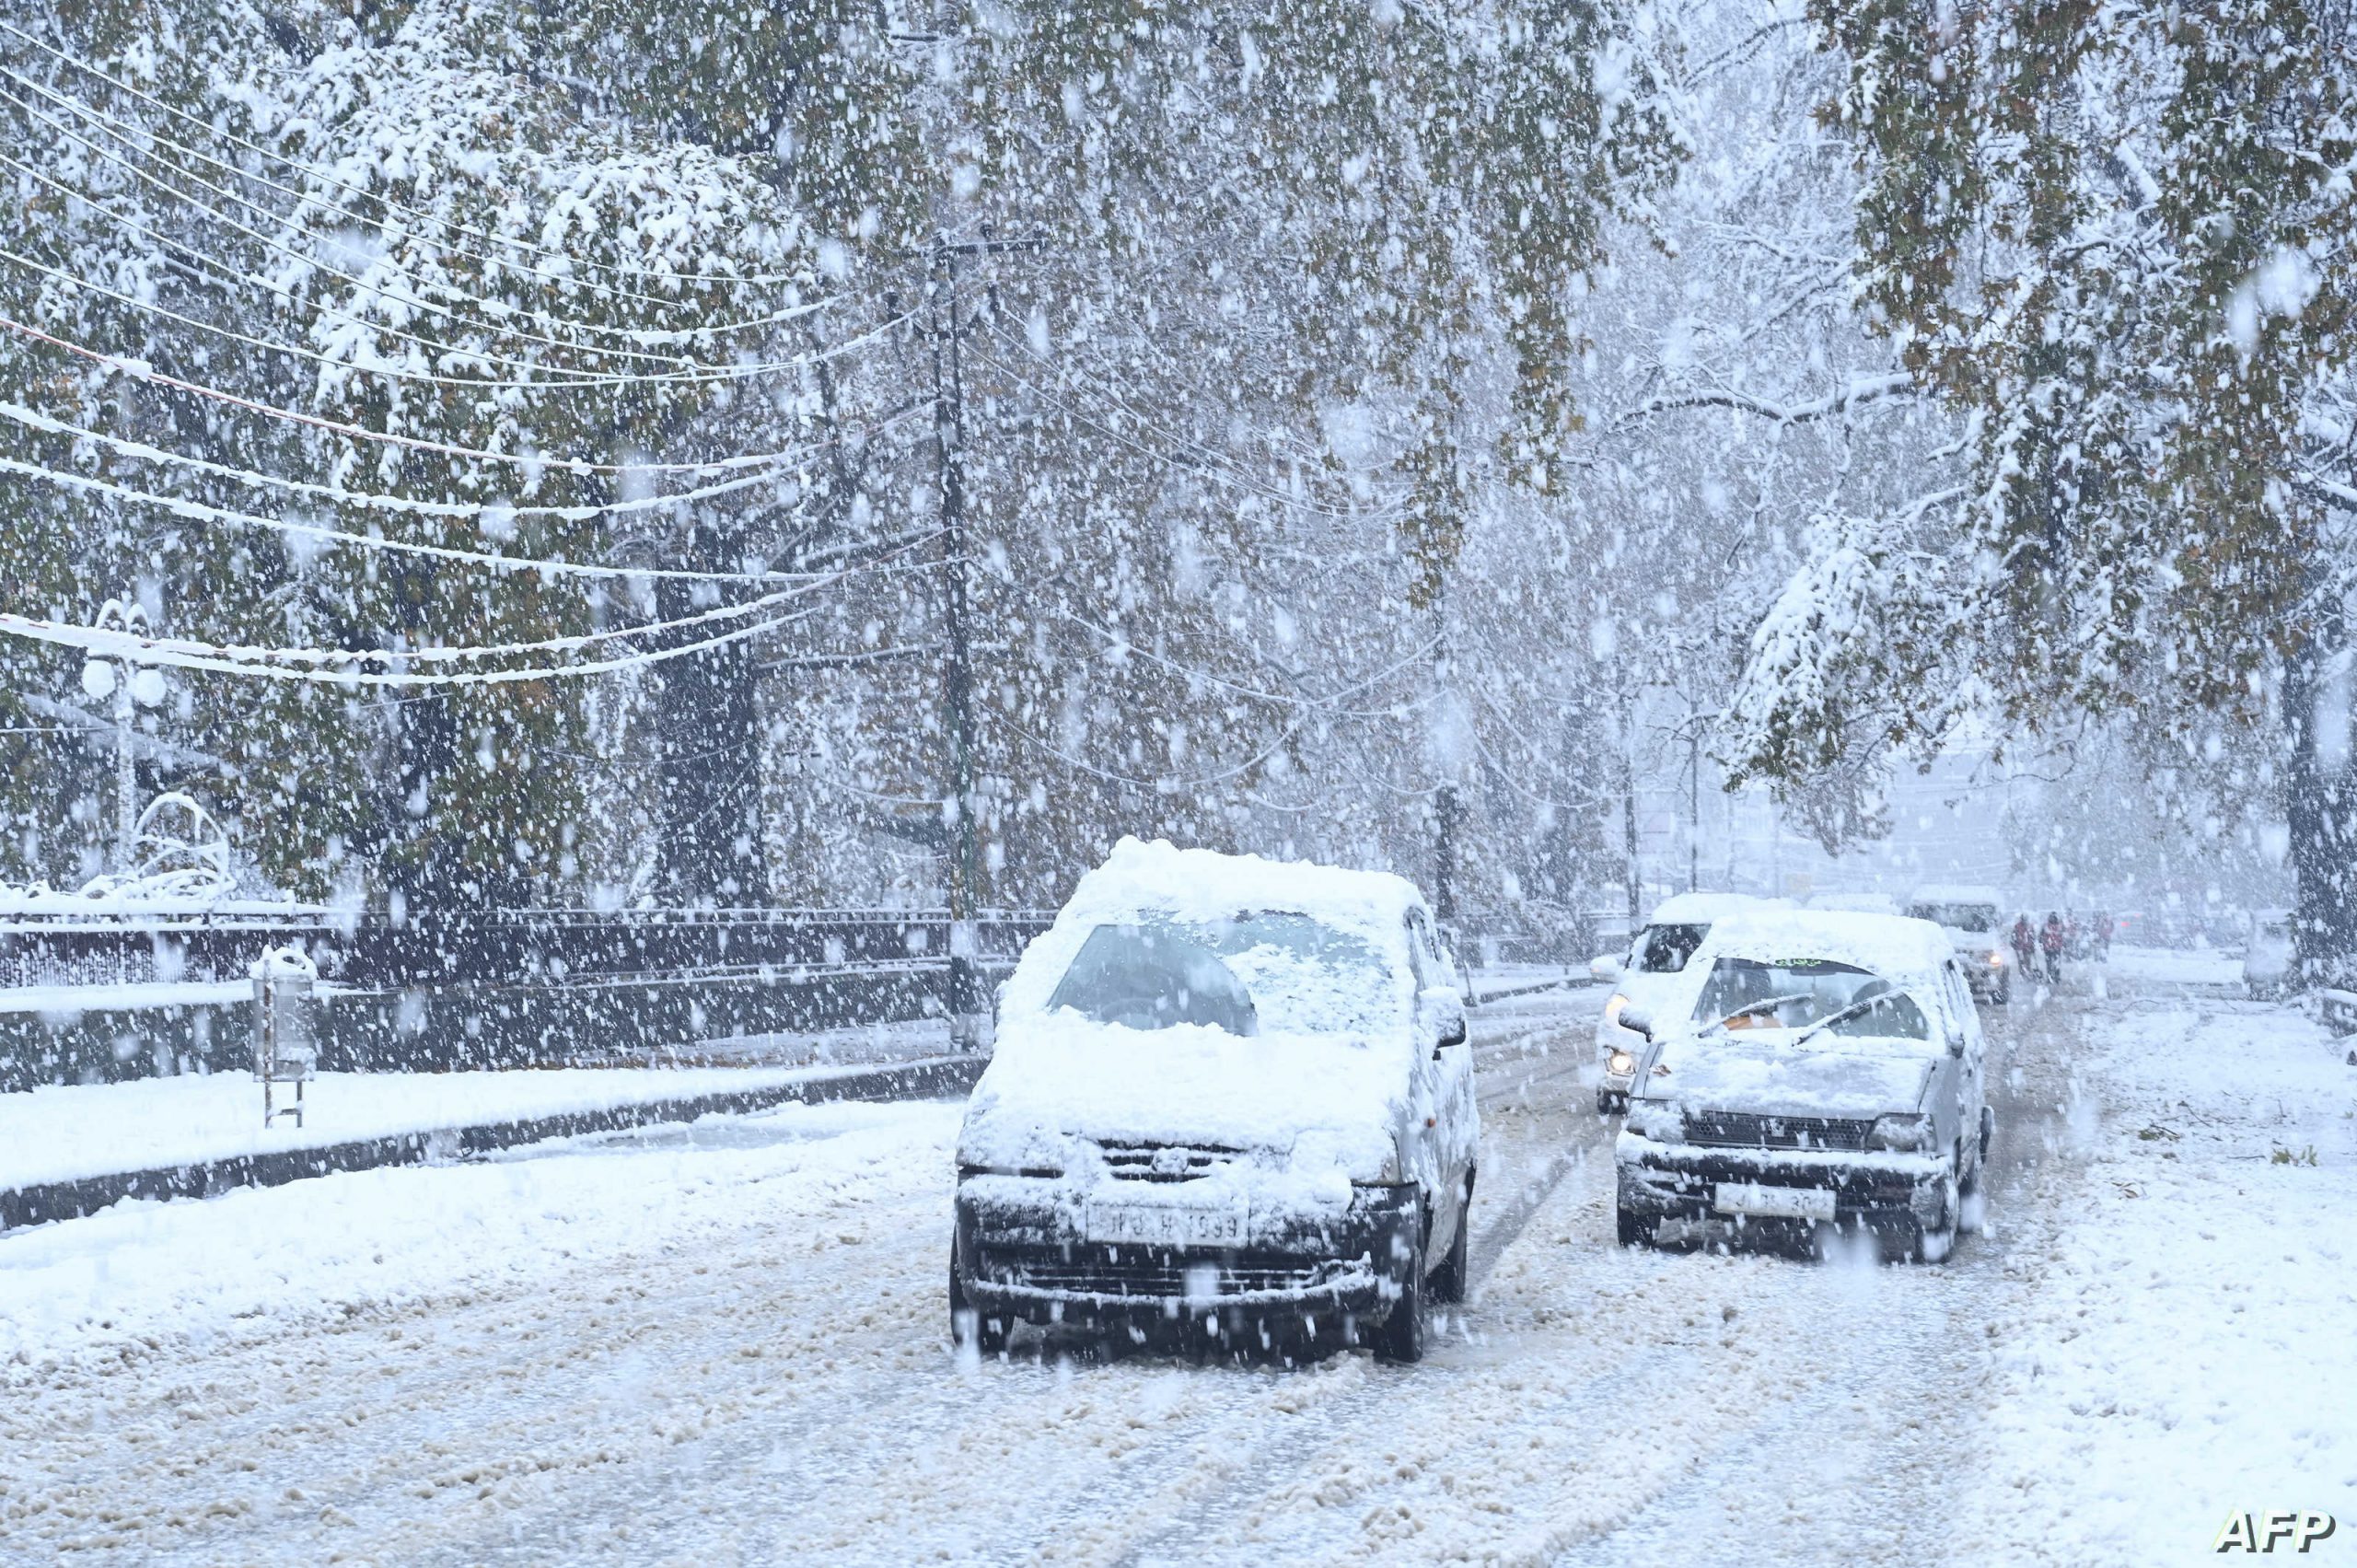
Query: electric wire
{"points": [[141, 370], [643, 336], [330, 178]]}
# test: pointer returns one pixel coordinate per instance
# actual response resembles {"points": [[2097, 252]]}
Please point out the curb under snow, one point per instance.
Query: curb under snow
{"points": [[43, 1202]]}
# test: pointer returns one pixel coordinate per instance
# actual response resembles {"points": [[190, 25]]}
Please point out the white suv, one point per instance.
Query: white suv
{"points": [[1652, 978], [1232, 1099], [1829, 1077]]}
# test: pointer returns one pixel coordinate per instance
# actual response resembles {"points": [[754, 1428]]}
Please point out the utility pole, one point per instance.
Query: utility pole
{"points": [[967, 1014], [1629, 819], [122, 680], [1693, 809]]}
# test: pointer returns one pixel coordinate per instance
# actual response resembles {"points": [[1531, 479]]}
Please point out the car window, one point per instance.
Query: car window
{"points": [[1794, 993], [1957, 917], [1664, 949], [1420, 958], [1258, 972]]}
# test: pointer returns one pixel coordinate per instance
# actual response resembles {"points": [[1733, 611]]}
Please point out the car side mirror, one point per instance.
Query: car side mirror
{"points": [[1636, 1020], [1442, 1010], [1606, 967]]}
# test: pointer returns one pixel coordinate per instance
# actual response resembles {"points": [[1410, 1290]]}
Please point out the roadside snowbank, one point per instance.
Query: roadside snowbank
{"points": [[268, 1261], [2188, 1351], [67, 1134]]}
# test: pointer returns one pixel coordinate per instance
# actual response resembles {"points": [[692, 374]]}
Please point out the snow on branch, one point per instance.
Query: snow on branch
{"points": [[1861, 389]]}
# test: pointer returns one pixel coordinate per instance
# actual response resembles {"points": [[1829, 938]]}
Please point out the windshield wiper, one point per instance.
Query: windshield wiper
{"points": [[1857, 1009]]}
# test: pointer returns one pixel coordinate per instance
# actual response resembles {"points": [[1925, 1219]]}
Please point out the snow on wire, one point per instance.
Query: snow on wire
{"points": [[330, 178], [479, 512], [141, 370], [645, 337]]}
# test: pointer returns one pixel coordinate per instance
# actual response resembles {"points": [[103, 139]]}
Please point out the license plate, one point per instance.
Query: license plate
{"points": [[1774, 1203], [1144, 1224]]}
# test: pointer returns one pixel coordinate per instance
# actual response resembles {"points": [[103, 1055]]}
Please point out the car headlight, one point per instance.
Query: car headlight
{"points": [[1655, 1119], [1910, 1133], [1613, 1008], [1620, 1063], [1996, 960]]}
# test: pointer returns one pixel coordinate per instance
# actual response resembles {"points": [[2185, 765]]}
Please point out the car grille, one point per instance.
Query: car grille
{"points": [[1164, 1162], [1131, 1270], [1741, 1130]]}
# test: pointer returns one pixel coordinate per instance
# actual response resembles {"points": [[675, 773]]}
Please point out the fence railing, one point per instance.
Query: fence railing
{"points": [[480, 989]]}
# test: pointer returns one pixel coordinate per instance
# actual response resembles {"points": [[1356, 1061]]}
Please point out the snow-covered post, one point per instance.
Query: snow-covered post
{"points": [[130, 684], [286, 1046]]}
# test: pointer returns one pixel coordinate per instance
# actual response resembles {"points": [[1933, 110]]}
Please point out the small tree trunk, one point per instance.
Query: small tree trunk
{"points": [[2321, 803], [707, 729]]}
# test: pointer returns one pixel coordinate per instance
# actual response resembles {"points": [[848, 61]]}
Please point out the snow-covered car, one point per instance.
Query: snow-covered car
{"points": [[1974, 919], [1652, 976], [2267, 956], [1856, 903], [1829, 1075], [1230, 1097]]}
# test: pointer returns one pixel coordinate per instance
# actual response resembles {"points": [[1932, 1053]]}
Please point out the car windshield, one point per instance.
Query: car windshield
{"points": [[1794, 993], [1664, 949], [1957, 917], [1257, 972]]}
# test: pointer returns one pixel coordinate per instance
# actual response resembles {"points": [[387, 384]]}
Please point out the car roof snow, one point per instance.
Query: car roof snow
{"points": [[1701, 908], [1902, 950]]}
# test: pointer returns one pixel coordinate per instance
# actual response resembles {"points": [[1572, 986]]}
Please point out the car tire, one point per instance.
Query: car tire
{"points": [[1634, 1231], [987, 1335], [1449, 1280], [1401, 1337]]}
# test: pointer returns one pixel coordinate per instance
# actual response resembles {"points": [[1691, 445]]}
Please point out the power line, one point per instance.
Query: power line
{"points": [[141, 370], [554, 377], [644, 337], [205, 512], [328, 177], [313, 263], [119, 644], [479, 511]]}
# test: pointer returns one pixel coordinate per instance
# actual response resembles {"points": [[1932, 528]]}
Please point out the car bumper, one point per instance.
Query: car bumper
{"points": [[1029, 1261], [1882, 1191]]}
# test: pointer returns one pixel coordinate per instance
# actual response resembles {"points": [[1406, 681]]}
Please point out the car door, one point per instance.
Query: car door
{"points": [[1960, 1115], [1450, 1068]]}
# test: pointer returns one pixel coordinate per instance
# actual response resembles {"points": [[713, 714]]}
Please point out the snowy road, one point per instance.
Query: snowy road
{"points": [[760, 1371]]}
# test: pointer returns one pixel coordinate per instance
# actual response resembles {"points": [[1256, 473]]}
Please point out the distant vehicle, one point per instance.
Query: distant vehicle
{"points": [[1829, 1076], [2266, 958], [1651, 975], [1975, 920], [1856, 903], [1231, 1097]]}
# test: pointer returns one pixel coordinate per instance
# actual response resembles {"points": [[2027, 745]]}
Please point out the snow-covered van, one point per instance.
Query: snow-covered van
{"points": [[1829, 1075], [1230, 1097], [1974, 919], [2267, 958], [1652, 976]]}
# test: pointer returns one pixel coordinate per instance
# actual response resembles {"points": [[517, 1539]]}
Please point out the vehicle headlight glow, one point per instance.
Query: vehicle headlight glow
{"points": [[1997, 960], [1910, 1133], [1620, 1063], [1612, 1009]]}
